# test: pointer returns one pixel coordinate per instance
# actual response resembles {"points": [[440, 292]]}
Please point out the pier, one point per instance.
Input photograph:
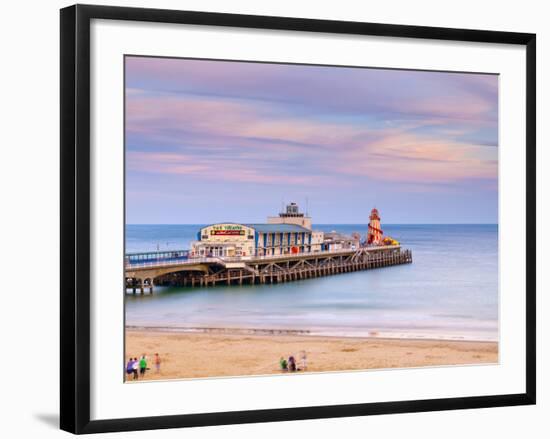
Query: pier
{"points": [[144, 271]]}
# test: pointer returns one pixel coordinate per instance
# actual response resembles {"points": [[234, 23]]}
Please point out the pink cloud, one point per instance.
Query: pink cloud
{"points": [[210, 167], [462, 107], [255, 134], [416, 158]]}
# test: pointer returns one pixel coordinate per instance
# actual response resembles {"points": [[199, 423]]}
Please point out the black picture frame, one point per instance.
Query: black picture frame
{"points": [[75, 217]]}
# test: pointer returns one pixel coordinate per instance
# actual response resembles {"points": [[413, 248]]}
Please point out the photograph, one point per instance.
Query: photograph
{"points": [[288, 219]]}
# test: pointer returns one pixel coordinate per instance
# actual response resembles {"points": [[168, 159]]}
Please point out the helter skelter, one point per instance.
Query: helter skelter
{"points": [[375, 233]]}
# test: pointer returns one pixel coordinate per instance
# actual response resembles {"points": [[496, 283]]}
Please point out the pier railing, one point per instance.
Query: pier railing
{"points": [[170, 262], [250, 259]]}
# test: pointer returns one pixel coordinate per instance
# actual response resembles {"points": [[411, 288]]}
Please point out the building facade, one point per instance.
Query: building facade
{"points": [[317, 240], [230, 239], [333, 241], [225, 239], [288, 233], [282, 239]]}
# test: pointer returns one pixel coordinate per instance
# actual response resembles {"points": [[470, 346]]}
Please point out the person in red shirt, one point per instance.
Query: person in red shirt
{"points": [[157, 363]]}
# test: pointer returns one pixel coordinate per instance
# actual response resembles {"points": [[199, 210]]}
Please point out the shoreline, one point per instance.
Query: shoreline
{"points": [[186, 355], [374, 335]]}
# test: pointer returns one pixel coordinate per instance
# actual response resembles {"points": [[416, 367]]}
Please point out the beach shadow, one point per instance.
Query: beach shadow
{"points": [[49, 419]]}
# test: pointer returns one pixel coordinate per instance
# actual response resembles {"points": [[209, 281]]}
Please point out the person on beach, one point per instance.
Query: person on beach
{"points": [[292, 363], [135, 367], [304, 360], [283, 364], [130, 367], [157, 362], [142, 365]]}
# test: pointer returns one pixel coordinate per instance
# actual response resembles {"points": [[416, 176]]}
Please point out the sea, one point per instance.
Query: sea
{"points": [[450, 291]]}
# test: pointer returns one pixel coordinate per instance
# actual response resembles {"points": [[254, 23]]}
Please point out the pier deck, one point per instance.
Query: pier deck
{"points": [[142, 276]]}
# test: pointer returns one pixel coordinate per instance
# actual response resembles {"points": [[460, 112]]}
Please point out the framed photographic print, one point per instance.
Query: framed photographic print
{"points": [[268, 218]]}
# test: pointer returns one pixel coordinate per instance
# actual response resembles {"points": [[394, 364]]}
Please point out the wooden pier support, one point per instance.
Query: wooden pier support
{"points": [[265, 271]]}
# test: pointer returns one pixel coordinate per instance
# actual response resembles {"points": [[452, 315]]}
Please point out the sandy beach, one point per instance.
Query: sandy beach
{"points": [[199, 355]]}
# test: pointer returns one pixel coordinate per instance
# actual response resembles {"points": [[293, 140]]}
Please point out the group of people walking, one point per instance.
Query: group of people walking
{"points": [[290, 365], [137, 368]]}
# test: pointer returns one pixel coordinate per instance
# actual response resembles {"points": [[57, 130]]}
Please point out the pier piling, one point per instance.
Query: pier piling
{"points": [[284, 268]]}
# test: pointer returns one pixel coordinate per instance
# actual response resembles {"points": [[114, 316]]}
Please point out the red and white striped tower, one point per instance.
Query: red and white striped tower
{"points": [[375, 233]]}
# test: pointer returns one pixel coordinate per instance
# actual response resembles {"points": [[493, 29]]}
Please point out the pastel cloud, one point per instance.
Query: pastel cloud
{"points": [[412, 158], [352, 90], [253, 135], [206, 168], [309, 128]]}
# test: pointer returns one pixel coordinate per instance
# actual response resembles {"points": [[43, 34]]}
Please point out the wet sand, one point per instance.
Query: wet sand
{"points": [[200, 355]]}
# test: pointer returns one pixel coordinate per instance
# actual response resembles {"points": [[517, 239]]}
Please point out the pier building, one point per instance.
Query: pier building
{"points": [[338, 241], [230, 239], [317, 240], [225, 240], [288, 233], [291, 215]]}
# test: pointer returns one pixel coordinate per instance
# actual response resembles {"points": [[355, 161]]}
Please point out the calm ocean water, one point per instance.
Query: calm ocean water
{"points": [[449, 291]]}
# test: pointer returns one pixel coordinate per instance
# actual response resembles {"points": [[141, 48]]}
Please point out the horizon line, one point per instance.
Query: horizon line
{"points": [[318, 224]]}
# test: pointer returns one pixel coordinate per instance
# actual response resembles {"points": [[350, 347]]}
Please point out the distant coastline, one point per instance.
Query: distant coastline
{"points": [[320, 224]]}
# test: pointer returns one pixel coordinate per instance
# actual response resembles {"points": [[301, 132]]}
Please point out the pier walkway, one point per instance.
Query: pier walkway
{"points": [[144, 270]]}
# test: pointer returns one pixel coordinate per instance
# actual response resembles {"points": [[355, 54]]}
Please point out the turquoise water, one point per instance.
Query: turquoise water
{"points": [[449, 291]]}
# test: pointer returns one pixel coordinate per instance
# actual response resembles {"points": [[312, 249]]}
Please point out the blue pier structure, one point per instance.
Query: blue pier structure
{"points": [[141, 258]]}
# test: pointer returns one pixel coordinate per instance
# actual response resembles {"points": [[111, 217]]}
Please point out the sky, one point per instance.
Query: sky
{"points": [[226, 141]]}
